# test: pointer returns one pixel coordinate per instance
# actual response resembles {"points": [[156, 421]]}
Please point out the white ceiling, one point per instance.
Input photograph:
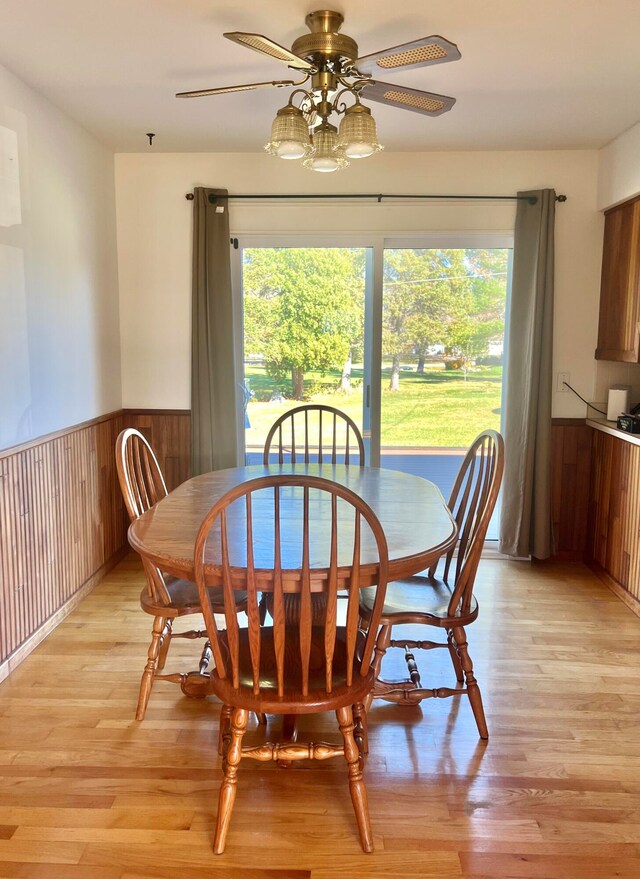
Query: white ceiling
{"points": [[534, 74]]}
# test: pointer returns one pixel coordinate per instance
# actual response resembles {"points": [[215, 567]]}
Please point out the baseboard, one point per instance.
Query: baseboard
{"points": [[28, 646], [567, 555], [619, 591]]}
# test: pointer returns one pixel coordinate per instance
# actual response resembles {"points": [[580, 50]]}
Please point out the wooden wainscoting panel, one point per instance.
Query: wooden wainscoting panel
{"points": [[614, 511], [62, 521], [169, 433], [571, 473]]}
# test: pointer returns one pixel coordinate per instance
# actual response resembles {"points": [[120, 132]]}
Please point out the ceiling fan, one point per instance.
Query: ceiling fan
{"points": [[330, 60]]}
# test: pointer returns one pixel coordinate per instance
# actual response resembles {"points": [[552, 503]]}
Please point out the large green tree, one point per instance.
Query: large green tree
{"points": [[419, 299], [436, 296], [480, 320], [303, 308]]}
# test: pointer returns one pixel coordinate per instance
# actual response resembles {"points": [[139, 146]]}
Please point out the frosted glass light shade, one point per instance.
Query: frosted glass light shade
{"points": [[358, 137], [327, 157], [324, 164], [291, 149], [289, 135], [359, 150]]}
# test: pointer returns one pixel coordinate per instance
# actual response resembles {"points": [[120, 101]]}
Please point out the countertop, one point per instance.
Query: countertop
{"points": [[610, 428]]}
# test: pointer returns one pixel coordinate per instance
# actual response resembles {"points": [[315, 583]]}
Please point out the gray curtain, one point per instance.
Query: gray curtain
{"points": [[525, 522], [214, 430]]}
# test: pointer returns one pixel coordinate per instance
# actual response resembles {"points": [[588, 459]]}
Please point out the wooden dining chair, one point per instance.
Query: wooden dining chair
{"points": [[315, 431], [163, 596], [303, 663], [447, 603]]}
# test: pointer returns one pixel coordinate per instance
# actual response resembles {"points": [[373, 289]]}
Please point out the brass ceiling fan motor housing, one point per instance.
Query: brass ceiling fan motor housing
{"points": [[332, 62], [324, 47]]}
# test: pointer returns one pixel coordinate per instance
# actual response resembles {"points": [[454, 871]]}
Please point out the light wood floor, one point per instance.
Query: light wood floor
{"points": [[85, 791]]}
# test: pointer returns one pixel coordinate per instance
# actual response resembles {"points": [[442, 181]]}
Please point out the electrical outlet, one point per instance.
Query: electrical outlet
{"points": [[561, 378]]}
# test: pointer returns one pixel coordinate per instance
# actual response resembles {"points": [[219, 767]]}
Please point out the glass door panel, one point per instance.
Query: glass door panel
{"points": [[303, 315], [443, 313]]}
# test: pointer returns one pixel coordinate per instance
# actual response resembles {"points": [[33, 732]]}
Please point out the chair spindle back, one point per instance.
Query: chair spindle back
{"points": [[139, 473], [472, 502], [315, 430], [142, 485], [293, 641]]}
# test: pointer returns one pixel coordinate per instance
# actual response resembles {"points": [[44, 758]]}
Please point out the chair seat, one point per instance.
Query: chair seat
{"points": [[418, 597], [184, 599], [293, 701]]}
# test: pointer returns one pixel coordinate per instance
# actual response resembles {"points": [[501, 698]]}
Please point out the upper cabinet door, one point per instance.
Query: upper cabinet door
{"points": [[618, 327]]}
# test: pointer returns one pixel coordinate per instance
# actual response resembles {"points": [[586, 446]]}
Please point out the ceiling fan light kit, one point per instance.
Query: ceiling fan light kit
{"points": [[330, 60]]}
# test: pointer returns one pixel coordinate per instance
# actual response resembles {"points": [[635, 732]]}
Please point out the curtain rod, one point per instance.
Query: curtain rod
{"points": [[379, 196]]}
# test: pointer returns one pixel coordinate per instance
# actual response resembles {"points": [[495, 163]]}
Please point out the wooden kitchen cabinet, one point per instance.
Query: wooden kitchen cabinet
{"points": [[618, 326], [613, 547]]}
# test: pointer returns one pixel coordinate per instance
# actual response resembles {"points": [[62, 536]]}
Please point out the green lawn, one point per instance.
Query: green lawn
{"points": [[438, 408]]}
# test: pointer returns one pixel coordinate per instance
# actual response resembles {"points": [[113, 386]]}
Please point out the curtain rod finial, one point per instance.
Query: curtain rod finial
{"points": [[189, 196]]}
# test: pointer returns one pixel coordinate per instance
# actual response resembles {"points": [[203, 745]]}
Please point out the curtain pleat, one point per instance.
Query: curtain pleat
{"points": [[526, 519], [214, 431]]}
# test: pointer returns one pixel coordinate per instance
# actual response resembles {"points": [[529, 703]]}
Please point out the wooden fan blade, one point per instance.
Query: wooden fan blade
{"points": [[226, 89], [418, 101], [418, 53], [268, 47]]}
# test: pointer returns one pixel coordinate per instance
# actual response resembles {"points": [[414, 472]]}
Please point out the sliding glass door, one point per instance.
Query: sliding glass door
{"points": [[321, 317]]}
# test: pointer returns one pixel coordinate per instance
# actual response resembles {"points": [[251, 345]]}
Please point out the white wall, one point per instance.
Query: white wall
{"points": [[59, 330], [154, 240], [619, 171]]}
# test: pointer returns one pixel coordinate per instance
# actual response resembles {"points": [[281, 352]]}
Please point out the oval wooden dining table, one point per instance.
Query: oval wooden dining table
{"points": [[414, 516], [416, 520]]}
